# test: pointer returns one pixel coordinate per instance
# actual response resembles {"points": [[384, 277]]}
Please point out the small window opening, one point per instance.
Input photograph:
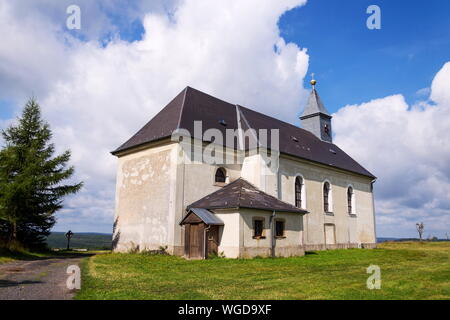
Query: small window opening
{"points": [[279, 228], [258, 228], [221, 175]]}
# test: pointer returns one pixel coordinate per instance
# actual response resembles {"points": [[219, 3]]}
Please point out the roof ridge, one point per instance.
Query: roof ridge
{"points": [[284, 122], [240, 191], [182, 107], [247, 123], [247, 108]]}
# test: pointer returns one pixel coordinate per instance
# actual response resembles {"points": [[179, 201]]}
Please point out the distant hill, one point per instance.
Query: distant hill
{"points": [[85, 240]]}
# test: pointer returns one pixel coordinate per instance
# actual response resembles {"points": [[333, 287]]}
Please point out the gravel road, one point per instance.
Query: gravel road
{"points": [[42, 279]]}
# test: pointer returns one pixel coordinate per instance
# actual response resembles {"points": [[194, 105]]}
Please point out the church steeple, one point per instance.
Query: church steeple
{"points": [[315, 117]]}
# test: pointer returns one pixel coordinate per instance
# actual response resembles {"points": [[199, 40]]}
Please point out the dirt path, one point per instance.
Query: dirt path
{"points": [[43, 279]]}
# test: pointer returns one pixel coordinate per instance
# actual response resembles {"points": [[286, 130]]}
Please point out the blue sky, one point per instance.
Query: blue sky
{"points": [[354, 64]]}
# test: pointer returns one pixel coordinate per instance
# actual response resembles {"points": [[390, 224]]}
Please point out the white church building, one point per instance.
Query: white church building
{"points": [[202, 179]]}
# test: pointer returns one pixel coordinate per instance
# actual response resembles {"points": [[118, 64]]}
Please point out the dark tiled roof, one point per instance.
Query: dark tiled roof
{"points": [[242, 194], [191, 105]]}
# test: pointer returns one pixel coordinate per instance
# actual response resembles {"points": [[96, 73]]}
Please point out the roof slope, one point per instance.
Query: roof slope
{"points": [[193, 105], [314, 105], [205, 215], [242, 194]]}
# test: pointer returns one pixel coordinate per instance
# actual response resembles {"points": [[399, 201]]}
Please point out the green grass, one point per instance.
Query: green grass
{"points": [[7, 255], [408, 271], [10, 255]]}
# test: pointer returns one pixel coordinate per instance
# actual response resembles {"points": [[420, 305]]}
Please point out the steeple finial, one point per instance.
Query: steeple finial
{"points": [[313, 81]]}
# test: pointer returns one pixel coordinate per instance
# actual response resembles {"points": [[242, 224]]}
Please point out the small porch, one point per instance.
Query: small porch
{"points": [[201, 233]]}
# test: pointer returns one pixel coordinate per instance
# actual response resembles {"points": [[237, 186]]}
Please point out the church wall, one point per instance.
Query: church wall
{"points": [[256, 171], [229, 234], [195, 181], [350, 231], [154, 188], [145, 189], [289, 245]]}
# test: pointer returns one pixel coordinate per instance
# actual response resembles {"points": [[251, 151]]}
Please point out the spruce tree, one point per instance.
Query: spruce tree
{"points": [[32, 179]]}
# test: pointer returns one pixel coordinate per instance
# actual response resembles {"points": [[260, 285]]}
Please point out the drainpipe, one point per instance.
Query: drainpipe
{"points": [[272, 235], [205, 241]]}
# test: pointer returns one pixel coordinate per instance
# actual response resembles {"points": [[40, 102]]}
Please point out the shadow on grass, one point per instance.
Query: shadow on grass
{"points": [[42, 255], [9, 283]]}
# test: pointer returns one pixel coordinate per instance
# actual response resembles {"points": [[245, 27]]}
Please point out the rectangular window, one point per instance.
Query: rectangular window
{"points": [[258, 228], [279, 228]]}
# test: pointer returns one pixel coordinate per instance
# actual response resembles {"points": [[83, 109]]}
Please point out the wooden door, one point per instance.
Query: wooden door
{"points": [[213, 240], [196, 241]]}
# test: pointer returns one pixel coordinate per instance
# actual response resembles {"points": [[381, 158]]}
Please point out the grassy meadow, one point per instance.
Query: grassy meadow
{"points": [[409, 270]]}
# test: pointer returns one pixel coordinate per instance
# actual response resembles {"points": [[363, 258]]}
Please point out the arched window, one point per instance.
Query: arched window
{"points": [[221, 175], [326, 196], [298, 192], [350, 200]]}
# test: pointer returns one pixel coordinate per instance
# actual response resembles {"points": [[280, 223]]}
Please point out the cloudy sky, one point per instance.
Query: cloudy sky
{"points": [[388, 89]]}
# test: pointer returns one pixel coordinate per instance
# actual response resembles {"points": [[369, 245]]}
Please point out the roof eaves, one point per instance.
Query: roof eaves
{"points": [[118, 151], [300, 211], [315, 114], [369, 175]]}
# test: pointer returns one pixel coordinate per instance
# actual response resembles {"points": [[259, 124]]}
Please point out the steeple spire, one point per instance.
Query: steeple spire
{"points": [[315, 117]]}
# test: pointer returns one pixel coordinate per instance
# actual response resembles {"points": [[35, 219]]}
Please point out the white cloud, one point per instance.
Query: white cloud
{"points": [[96, 97], [37, 49], [408, 148]]}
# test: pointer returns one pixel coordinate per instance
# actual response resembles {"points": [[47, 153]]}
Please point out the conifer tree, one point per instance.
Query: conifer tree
{"points": [[32, 179]]}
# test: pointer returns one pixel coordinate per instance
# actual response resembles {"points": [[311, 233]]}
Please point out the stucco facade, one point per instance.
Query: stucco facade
{"points": [[351, 230], [237, 240], [154, 187]]}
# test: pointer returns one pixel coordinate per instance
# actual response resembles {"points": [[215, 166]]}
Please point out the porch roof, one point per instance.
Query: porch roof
{"points": [[205, 215], [242, 194]]}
